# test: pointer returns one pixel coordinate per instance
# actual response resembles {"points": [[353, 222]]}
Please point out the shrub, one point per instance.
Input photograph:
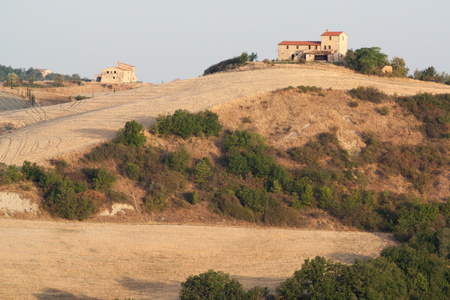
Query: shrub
{"points": [[132, 134], [256, 199], [102, 180], [228, 64], [211, 285], [194, 198], [305, 89], [185, 124], [178, 160], [244, 140], [133, 171], [79, 97], [433, 110], [63, 202], [353, 104], [9, 174], [226, 203], [370, 94], [202, 170], [384, 111]]}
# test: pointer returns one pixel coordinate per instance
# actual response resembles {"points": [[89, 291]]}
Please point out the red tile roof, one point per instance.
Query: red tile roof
{"points": [[300, 43], [332, 33]]}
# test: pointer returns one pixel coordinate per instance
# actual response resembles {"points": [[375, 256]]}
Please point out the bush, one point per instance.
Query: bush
{"points": [[384, 111], [132, 134], [370, 94], [102, 180], [228, 64], [185, 124], [9, 174], [178, 160], [256, 199], [63, 202], [433, 110], [202, 170], [79, 97], [133, 171], [211, 285]]}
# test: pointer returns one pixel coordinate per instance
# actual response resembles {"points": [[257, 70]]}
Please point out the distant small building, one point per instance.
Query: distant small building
{"points": [[386, 69], [123, 73], [45, 72], [331, 48]]}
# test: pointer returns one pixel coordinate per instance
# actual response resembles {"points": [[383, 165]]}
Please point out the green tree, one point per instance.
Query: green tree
{"points": [[134, 134], [211, 285], [202, 170], [59, 80], [366, 60], [399, 67], [11, 79]]}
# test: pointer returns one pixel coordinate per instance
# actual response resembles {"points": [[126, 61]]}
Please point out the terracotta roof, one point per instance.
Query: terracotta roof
{"points": [[332, 33], [300, 43], [125, 64]]}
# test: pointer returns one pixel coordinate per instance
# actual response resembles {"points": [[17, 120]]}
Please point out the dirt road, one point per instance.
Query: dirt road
{"points": [[53, 130], [66, 260]]}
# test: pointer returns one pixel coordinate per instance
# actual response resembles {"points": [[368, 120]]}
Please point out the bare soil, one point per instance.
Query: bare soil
{"points": [[67, 260]]}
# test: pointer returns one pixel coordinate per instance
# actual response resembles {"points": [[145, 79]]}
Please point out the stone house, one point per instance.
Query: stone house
{"points": [[45, 72], [123, 73], [331, 48]]}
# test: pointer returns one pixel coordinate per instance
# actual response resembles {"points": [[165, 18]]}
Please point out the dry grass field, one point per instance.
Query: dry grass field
{"points": [[42, 259], [65, 260]]}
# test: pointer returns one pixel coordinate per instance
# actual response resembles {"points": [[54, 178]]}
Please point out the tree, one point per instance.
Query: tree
{"points": [[366, 60], [253, 56], [133, 134], [211, 285], [399, 67], [59, 80], [76, 77], [428, 74], [11, 79], [202, 170]]}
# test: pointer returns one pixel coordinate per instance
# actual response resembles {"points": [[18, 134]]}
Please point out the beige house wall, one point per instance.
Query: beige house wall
{"points": [[337, 43], [285, 52], [115, 75], [123, 73]]}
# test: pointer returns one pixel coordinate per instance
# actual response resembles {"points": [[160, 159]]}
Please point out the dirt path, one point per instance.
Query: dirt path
{"points": [[64, 260], [54, 130]]}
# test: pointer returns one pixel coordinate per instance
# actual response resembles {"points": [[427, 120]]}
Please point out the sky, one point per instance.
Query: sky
{"points": [[179, 39]]}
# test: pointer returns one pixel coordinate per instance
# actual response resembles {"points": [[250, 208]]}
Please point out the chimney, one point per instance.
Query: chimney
{"points": [[327, 30]]}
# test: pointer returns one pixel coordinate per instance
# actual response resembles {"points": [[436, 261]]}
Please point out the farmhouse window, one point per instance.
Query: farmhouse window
{"points": [[114, 72], [297, 47], [287, 47], [114, 77], [330, 38], [107, 72], [309, 47]]}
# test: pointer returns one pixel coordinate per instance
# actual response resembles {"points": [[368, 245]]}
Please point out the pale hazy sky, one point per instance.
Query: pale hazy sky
{"points": [[170, 39]]}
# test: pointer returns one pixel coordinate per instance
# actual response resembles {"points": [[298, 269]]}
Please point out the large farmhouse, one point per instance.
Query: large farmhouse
{"points": [[123, 73], [331, 48]]}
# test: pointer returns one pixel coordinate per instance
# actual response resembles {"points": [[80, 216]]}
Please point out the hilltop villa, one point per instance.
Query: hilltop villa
{"points": [[331, 48], [123, 73]]}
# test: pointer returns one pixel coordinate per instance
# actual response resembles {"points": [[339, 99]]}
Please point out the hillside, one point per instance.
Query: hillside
{"points": [[289, 156], [54, 130]]}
